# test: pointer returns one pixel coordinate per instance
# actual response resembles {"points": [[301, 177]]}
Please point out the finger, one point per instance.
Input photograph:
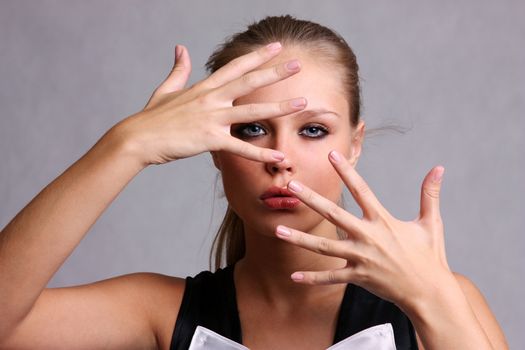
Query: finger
{"points": [[430, 194], [249, 151], [241, 65], [179, 74], [322, 245], [249, 82], [357, 186], [344, 275], [259, 111], [328, 209]]}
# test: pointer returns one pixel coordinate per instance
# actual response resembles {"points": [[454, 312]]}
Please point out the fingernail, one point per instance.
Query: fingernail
{"points": [[283, 231], [294, 186], [274, 46], [298, 102], [438, 174], [278, 155], [178, 51], [297, 276], [293, 65], [335, 156]]}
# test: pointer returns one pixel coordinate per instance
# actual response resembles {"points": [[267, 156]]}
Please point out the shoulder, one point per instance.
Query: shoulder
{"points": [[161, 297]]}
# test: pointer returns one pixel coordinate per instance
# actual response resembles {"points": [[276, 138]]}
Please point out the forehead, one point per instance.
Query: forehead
{"points": [[318, 81]]}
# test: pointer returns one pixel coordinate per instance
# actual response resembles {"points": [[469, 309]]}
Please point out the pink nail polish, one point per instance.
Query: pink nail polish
{"points": [[335, 156], [283, 231], [294, 186], [278, 155], [438, 174], [274, 46], [299, 102], [297, 276]]}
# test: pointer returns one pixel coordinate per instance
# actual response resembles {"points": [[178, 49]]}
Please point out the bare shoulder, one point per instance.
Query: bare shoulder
{"points": [[482, 311], [137, 310], [164, 297]]}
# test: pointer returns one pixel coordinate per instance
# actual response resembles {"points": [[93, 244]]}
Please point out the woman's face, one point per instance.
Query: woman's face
{"points": [[305, 137]]}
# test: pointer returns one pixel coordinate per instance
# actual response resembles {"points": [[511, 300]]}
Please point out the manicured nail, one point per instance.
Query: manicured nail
{"points": [[277, 155], [297, 276], [298, 102], [438, 174], [293, 65], [335, 156], [283, 231], [274, 46], [294, 186]]}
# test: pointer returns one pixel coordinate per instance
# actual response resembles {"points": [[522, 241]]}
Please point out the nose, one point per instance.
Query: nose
{"points": [[282, 141], [284, 166]]}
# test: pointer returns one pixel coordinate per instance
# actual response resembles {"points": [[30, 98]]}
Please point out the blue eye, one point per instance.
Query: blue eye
{"points": [[249, 130], [253, 130], [314, 131]]}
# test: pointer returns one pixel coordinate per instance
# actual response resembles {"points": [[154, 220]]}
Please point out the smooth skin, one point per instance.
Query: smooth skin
{"points": [[136, 310], [403, 262], [139, 310]]}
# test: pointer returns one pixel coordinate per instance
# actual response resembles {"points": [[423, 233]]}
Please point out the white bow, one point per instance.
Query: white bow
{"points": [[379, 337]]}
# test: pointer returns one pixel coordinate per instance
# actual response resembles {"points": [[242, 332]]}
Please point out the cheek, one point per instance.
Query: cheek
{"points": [[237, 175], [323, 179]]}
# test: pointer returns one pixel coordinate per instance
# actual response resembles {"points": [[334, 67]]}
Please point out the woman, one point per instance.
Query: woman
{"points": [[280, 115]]}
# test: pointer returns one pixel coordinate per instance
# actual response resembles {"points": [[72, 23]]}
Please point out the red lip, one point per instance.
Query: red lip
{"points": [[279, 198], [275, 191]]}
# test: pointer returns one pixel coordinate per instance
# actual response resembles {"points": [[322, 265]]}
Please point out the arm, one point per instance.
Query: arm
{"points": [[40, 238], [477, 307], [176, 123], [403, 262]]}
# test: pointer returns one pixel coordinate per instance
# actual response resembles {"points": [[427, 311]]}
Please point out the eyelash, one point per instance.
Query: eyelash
{"points": [[240, 130]]}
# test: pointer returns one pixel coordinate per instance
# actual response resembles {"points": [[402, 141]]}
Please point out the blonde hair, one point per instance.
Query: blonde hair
{"points": [[327, 46]]}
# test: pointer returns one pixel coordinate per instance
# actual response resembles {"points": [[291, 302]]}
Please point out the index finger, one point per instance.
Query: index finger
{"points": [[328, 209], [243, 64], [357, 186]]}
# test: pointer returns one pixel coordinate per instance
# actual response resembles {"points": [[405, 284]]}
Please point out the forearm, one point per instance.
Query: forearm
{"points": [[40, 238], [444, 319]]}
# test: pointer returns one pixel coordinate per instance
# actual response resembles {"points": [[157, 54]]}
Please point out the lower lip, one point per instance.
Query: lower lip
{"points": [[281, 202]]}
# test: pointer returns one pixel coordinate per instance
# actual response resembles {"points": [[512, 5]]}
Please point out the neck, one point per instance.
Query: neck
{"points": [[264, 272]]}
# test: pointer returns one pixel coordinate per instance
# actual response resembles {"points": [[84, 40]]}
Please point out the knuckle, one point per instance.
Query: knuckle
{"points": [[277, 71], [204, 99], [235, 64], [283, 108], [330, 277], [362, 189], [252, 110], [360, 273], [249, 80], [323, 245], [300, 240], [431, 192], [334, 213]]}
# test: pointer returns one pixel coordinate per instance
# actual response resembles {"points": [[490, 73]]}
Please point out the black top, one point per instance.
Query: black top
{"points": [[209, 300]]}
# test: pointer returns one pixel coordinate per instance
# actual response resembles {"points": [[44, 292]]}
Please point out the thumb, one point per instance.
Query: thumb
{"points": [[179, 74], [430, 194]]}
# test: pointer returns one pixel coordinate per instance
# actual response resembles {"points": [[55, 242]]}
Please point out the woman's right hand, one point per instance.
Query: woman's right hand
{"points": [[178, 123]]}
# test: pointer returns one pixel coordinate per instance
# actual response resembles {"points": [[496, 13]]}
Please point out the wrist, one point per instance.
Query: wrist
{"points": [[443, 318], [121, 140]]}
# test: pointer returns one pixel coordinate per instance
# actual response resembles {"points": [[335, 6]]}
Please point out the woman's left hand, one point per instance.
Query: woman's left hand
{"points": [[396, 260]]}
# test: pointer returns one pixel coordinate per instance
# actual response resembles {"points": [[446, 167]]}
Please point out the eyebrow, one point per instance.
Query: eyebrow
{"points": [[316, 111]]}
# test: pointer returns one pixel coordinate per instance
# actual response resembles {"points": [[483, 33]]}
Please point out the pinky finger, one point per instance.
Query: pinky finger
{"points": [[344, 275], [249, 151]]}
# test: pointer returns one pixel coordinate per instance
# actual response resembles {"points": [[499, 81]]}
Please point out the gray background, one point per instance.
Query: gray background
{"points": [[451, 72]]}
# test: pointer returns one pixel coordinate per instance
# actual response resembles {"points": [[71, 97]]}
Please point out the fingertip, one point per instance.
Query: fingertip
{"points": [[279, 156], [438, 174], [297, 276]]}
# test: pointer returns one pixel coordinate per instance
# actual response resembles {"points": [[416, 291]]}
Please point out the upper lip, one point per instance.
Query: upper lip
{"points": [[275, 191]]}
